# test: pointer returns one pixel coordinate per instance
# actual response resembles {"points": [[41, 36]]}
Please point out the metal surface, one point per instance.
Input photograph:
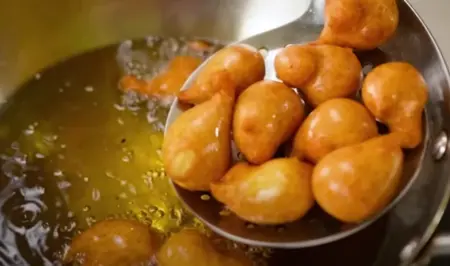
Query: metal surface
{"points": [[36, 34], [440, 146]]}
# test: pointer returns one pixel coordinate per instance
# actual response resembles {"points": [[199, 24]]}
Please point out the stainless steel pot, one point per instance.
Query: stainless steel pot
{"points": [[36, 34]]}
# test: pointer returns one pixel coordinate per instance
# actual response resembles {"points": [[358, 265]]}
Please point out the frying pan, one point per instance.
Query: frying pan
{"points": [[397, 238]]}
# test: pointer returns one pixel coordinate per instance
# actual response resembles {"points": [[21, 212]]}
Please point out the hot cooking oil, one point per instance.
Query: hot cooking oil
{"points": [[75, 149]]}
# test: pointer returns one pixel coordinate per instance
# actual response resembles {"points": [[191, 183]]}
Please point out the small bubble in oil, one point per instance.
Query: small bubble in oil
{"points": [[132, 189], [45, 225], [174, 214], [249, 225], [224, 213], [58, 203], [119, 107], [64, 184], [126, 158], [159, 214], [91, 220], [280, 228], [58, 173], [109, 174], [205, 197], [95, 194], [152, 209], [69, 227], [86, 208], [111, 216]]}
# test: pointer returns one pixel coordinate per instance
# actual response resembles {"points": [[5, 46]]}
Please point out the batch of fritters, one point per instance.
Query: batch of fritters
{"points": [[321, 107]]}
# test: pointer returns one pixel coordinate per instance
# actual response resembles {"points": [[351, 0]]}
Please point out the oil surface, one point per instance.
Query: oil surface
{"points": [[75, 149]]}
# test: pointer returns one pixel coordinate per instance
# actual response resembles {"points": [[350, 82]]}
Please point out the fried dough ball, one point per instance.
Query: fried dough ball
{"points": [[321, 72], [190, 248], [168, 82], [355, 182], [276, 192], [266, 114], [113, 242], [197, 146], [217, 81], [244, 64], [132, 83], [332, 125], [359, 24], [396, 94]]}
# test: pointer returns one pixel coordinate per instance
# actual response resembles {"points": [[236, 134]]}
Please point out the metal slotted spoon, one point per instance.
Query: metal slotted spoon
{"points": [[316, 228]]}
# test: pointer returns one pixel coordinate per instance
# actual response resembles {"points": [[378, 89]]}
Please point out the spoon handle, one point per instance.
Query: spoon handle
{"points": [[304, 29]]}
